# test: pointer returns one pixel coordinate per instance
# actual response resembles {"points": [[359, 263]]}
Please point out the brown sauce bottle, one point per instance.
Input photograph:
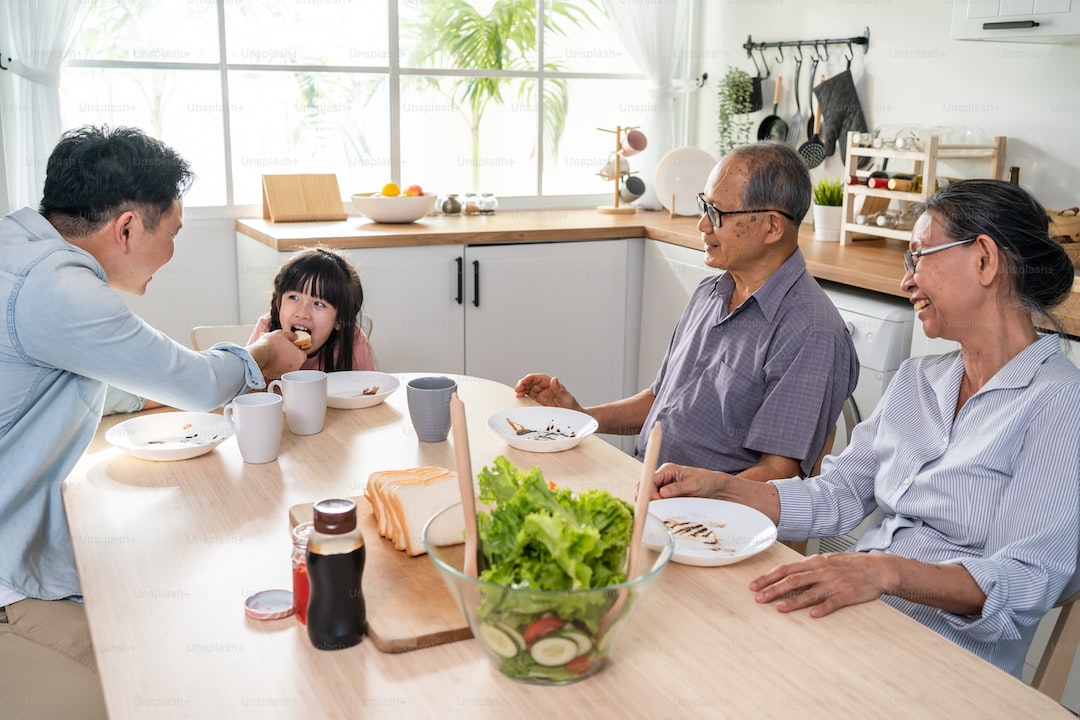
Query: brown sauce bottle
{"points": [[336, 616]]}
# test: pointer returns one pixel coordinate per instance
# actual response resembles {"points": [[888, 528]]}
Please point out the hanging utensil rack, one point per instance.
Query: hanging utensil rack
{"points": [[820, 47]]}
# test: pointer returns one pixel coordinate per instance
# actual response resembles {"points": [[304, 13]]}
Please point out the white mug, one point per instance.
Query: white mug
{"points": [[304, 392], [257, 420]]}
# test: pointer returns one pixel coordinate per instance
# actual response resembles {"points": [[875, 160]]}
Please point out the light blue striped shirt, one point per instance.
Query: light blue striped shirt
{"points": [[996, 490]]}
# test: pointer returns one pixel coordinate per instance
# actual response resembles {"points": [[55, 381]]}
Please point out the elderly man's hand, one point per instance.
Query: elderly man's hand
{"points": [[276, 354], [547, 391], [825, 583], [673, 480]]}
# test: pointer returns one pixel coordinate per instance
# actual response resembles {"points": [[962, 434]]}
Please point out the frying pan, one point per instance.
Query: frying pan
{"points": [[813, 150], [793, 126], [773, 127]]}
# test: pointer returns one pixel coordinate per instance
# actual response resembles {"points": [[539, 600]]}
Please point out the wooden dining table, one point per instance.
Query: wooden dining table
{"points": [[168, 552]]}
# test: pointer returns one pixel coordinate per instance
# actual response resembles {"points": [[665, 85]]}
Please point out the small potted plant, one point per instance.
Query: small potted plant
{"points": [[737, 99], [828, 199]]}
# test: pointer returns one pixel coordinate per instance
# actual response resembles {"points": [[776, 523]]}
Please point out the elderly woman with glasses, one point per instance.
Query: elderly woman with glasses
{"points": [[974, 456], [760, 363]]}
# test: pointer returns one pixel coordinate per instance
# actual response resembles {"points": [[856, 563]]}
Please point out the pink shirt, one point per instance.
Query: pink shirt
{"points": [[362, 357]]}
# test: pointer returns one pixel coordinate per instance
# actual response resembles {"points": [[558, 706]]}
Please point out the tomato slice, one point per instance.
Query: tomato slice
{"points": [[541, 627], [579, 665]]}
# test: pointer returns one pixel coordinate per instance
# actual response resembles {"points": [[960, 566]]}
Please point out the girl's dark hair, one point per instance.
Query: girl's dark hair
{"points": [[328, 276], [94, 174], [1041, 270]]}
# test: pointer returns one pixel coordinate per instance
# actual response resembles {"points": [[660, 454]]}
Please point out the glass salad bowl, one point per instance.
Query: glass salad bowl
{"points": [[544, 637]]}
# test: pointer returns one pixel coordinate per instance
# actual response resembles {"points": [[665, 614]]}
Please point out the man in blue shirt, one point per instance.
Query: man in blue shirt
{"points": [[760, 362], [110, 211]]}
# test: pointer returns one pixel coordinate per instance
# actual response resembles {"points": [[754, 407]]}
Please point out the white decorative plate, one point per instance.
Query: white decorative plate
{"points": [[542, 429], [713, 532], [353, 389], [682, 173], [170, 435]]}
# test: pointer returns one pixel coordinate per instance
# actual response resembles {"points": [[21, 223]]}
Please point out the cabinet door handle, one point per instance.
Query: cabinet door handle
{"points": [[1010, 25], [476, 283], [460, 280]]}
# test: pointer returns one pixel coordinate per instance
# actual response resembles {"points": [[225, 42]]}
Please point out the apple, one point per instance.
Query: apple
{"points": [[414, 190]]}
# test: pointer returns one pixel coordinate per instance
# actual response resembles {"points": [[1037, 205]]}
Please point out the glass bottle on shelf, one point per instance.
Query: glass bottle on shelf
{"points": [[472, 204], [488, 203], [451, 205]]}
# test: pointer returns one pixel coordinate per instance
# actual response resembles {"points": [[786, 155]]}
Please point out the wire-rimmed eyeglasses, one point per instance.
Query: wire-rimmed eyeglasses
{"points": [[716, 215], [911, 259]]}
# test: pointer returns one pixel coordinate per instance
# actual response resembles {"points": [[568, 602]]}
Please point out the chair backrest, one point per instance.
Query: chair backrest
{"points": [[204, 337], [1057, 659]]}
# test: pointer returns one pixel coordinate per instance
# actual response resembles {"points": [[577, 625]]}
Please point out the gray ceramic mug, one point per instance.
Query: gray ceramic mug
{"points": [[429, 407]]}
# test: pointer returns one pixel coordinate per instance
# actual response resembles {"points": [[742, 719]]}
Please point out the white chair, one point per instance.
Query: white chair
{"points": [[204, 337], [1057, 659]]}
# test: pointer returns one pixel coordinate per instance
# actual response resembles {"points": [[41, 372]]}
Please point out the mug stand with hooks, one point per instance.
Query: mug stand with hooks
{"points": [[615, 208]]}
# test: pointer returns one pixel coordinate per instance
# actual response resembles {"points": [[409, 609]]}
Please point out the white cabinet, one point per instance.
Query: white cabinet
{"points": [[492, 311], [1036, 21], [670, 274]]}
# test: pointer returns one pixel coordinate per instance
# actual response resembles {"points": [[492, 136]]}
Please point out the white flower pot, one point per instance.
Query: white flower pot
{"points": [[827, 221]]}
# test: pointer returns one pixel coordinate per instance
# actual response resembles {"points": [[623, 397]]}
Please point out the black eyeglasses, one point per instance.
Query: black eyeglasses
{"points": [[911, 259], [716, 215]]}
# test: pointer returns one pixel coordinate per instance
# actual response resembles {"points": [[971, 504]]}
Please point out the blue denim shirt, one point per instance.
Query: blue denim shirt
{"points": [[65, 336]]}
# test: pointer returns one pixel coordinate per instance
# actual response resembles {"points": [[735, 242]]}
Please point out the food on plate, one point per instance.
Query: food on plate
{"points": [[390, 189], [691, 530], [303, 339], [550, 431], [542, 537], [404, 500], [414, 190], [374, 390]]}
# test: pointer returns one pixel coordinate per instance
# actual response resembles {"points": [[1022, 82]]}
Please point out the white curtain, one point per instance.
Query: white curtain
{"points": [[36, 36], [656, 35]]}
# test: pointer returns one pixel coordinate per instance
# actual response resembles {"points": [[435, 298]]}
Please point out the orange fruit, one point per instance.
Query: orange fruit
{"points": [[391, 189]]}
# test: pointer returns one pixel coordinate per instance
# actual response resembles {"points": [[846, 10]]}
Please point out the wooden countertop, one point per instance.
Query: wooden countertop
{"points": [[167, 552], [876, 265]]}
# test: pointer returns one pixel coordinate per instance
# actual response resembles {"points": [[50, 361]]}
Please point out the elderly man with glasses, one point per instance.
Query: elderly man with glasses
{"points": [[760, 362]]}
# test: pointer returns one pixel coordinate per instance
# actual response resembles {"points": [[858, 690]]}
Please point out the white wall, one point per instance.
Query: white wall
{"points": [[913, 74]]}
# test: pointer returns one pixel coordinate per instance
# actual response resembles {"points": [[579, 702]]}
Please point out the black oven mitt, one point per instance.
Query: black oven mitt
{"points": [[841, 111]]}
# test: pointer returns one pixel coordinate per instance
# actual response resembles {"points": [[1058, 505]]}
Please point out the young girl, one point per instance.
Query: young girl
{"points": [[319, 291]]}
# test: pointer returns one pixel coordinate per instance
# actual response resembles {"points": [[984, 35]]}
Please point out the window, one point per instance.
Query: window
{"points": [[369, 90]]}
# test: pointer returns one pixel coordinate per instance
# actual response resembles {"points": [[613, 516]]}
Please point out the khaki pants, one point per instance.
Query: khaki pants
{"points": [[47, 667]]}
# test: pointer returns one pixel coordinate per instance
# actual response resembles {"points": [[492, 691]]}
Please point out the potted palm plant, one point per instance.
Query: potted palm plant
{"points": [[828, 201]]}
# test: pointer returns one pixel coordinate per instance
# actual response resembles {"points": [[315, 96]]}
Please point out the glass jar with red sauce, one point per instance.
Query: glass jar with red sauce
{"points": [[300, 586]]}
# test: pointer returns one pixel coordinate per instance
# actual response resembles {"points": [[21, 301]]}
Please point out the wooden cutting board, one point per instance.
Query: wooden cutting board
{"points": [[408, 605]]}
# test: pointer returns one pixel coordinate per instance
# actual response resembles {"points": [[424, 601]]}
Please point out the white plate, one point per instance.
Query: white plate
{"points": [[682, 173], [740, 531], [170, 435], [345, 390], [550, 429]]}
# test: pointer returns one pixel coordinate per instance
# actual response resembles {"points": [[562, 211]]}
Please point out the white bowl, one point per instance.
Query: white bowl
{"points": [[681, 174], [542, 429], [170, 435], [354, 389], [400, 209]]}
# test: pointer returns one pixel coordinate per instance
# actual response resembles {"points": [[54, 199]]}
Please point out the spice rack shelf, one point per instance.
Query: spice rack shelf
{"points": [[925, 165]]}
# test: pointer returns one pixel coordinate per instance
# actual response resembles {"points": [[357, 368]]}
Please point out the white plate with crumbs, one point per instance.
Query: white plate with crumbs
{"points": [[713, 532], [170, 435], [354, 389], [542, 429]]}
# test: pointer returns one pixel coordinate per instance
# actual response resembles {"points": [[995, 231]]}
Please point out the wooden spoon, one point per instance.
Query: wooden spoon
{"points": [[465, 483], [644, 492]]}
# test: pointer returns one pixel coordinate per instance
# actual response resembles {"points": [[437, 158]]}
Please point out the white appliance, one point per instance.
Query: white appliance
{"points": [[880, 326]]}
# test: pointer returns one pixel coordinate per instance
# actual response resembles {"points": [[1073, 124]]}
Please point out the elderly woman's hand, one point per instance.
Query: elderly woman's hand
{"points": [[825, 583]]}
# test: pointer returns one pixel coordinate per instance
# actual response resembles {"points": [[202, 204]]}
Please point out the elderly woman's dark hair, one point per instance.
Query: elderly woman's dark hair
{"points": [[1041, 270], [778, 178], [96, 173]]}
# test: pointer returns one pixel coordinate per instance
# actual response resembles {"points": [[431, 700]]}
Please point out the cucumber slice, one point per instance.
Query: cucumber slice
{"points": [[498, 641], [554, 650], [584, 642]]}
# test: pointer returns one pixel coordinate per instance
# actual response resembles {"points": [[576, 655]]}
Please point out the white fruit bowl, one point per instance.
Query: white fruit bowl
{"points": [[400, 209]]}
